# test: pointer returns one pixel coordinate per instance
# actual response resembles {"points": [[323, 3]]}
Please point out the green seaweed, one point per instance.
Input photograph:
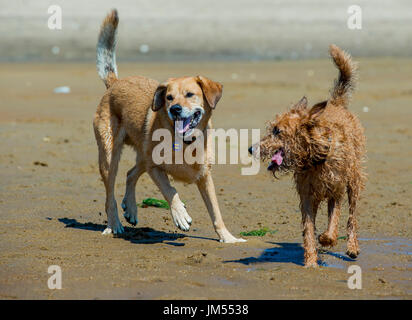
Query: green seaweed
{"points": [[157, 203], [257, 233], [153, 202]]}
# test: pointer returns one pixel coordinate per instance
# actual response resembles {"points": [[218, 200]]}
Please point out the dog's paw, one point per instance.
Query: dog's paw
{"points": [[107, 231], [227, 237], [311, 260], [311, 265], [326, 241], [181, 218], [118, 229], [232, 240], [352, 253], [130, 212], [352, 248]]}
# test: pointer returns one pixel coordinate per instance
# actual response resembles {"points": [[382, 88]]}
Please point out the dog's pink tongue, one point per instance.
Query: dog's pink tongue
{"points": [[183, 126], [277, 157]]}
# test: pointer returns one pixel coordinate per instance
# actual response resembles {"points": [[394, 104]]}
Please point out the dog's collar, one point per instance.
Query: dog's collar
{"points": [[188, 142]]}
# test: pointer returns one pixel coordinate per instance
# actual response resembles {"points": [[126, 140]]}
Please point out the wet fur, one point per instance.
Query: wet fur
{"points": [[129, 112], [324, 147]]}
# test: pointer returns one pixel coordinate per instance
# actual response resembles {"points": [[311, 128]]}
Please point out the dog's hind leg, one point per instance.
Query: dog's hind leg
{"points": [[352, 241], [129, 201], [110, 140], [330, 236]]}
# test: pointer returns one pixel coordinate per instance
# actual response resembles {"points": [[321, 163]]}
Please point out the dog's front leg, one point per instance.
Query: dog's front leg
{"points": [[180, 216], [309, 208], [207, 190]]}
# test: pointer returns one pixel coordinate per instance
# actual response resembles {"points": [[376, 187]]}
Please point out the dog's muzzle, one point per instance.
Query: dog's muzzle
{"points": [[277, 160], [185, 120]]}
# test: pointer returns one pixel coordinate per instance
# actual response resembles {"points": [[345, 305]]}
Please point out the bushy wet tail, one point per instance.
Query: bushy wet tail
{"points": [[345, 84], [106, 46]]}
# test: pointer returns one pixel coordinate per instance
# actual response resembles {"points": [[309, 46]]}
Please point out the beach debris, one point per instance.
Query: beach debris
{"points": [[55, 50], [62, 89], [153, 202], [257, 233], [196, 258], [144, 48], [39, 163], [365, 109]]}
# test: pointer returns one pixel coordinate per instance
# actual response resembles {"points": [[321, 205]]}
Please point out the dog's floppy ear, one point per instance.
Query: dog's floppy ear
{"points": [[317, 109], [211, 90], [301, 105], [159, 97]]}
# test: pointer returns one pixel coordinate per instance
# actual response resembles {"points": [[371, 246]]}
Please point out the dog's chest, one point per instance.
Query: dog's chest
{"points": [[185, 172]]}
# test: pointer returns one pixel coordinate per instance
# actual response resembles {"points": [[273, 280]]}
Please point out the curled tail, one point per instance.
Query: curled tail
{"points": [[345, 84], [105, 51]]}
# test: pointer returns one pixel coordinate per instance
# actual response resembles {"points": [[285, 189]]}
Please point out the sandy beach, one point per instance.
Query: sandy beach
{"points": [[52, 198]]}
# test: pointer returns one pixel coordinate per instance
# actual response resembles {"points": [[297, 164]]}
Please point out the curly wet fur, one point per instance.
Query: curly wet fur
{"points": [[324, 147]]}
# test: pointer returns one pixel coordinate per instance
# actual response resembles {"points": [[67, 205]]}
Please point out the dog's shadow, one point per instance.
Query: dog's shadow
{"points": [[134, 235], [285, 253]]}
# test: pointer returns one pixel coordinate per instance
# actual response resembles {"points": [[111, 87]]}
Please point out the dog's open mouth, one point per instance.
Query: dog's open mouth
{"points": [[185, 126], [277, 160]]}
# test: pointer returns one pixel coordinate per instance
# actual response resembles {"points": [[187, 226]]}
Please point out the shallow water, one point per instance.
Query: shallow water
{"points": [[390, 258], [374, 252]]}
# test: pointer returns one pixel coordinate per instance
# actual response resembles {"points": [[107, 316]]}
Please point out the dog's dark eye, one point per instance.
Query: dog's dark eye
{"points": [[189, 94], [169, 97], [276, 131]]}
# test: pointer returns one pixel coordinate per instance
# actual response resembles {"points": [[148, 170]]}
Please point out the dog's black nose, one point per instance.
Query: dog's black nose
{"points": [[175, 110], [250, 150]]}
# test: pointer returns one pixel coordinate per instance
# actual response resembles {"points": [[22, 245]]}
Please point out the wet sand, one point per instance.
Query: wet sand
{"points": [[53, 213]]}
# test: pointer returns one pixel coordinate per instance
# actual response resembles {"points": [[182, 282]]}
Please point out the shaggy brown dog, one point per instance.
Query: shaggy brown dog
{"points": [[324, 146]]}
